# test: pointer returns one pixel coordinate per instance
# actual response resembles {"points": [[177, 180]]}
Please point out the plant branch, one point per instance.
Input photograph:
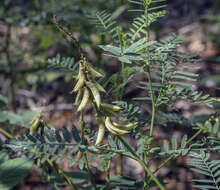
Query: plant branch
{"points": [[10, 64], [61, 173], [89, 171], [82, 125], [147, 65], [6, 133], [66, 33], [173, 155], [108, 174], [129, 148]]}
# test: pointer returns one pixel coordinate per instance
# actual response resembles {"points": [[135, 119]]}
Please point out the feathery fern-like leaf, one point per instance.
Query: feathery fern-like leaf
{"points": [[210, 169], [104, 23], [52, 145], [67, 63]]}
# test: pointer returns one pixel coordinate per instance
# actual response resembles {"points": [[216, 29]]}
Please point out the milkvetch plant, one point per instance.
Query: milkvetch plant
{"points": [[168, 76]]}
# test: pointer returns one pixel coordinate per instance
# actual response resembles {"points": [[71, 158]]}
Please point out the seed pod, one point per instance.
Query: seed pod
{"points": [[110, 126], [95, 93], [101, 133], [81, 69], [79, 97], [80, 83], [93, 72], [84, 101], [35, 118], [108, 112], [39, 163], [125, 127], [35, 125], [100, 88], [110, 107]]}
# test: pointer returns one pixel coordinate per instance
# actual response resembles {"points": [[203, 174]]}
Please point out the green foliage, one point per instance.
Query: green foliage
{"points": [[13, 171], [167, 119], [76, 176], [167, 76], [12, 118], [169, 72], [175, 149], [21, 119], [213, 30], [211, 126], [210, 169], [141, 23], [51, 146], [58, 61], [104, 23]]}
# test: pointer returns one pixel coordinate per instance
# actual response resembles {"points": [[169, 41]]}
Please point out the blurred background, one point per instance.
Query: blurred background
{"points": [[28, 38]]}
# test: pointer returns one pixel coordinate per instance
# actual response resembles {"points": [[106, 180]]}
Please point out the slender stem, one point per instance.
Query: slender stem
{"points": [[6, 133], [119, 159], [162, 84], [129, 148], [147, 65], [108, 175], [75, 42], [120, 95], [119, 167], [89, 171], [10, 64], [152, 119], [152, 95], [82, 124], [173, 155], [194, 136], [62, 174], [56, 187]]}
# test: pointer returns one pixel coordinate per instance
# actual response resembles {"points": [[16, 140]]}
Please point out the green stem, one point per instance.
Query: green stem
{"points": [[119, 159], [10, 64], [89, 171], [162, 88], [62, 174], [73, 39], [129, 148], [121, 93], [6, 133], [147, 65], [56, 187], [152, 95], [173, 155], [108, 187], [82, 125], [152, 119]]}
